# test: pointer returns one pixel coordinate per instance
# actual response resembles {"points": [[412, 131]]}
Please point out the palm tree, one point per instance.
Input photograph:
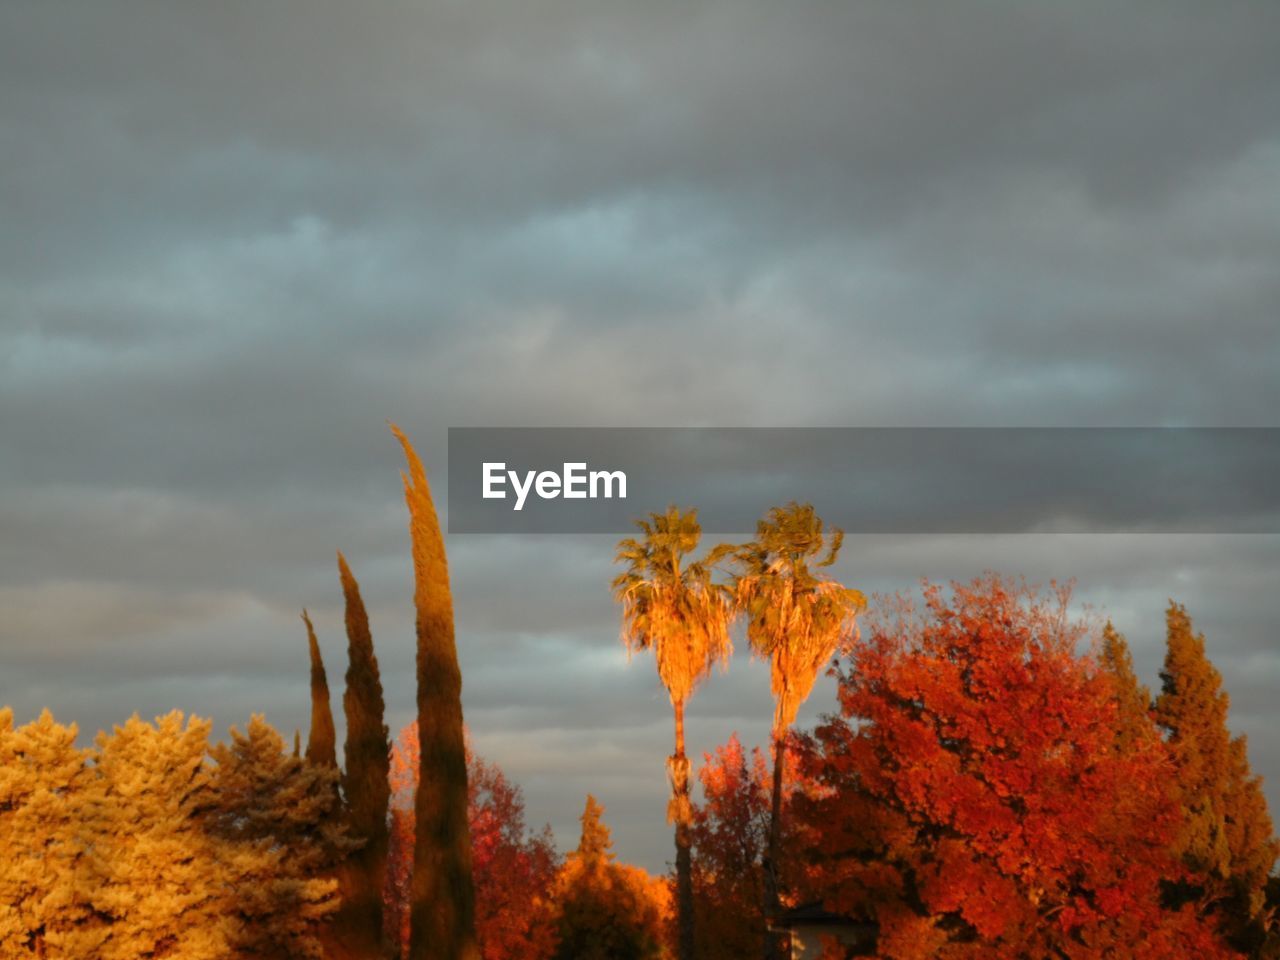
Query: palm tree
{"points": [[797, 619], [672, 608]]}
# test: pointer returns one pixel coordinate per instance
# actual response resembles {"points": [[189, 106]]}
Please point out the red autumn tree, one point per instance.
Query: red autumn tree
{"points": [[730, 837], [513, 868], [730, 840], [971, 801]]}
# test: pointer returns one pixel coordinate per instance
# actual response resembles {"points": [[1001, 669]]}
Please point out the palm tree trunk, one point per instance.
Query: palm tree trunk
{"points": [[773, 946], [684, 860]]}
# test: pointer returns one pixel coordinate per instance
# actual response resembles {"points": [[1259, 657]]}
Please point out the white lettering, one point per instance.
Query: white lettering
{"points": [[521, 491], [575, 473], [609, 477], [494, 476], [548, 484], [574, 483]]}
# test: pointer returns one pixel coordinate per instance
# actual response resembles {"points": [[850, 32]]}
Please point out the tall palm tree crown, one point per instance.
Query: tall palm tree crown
{"points": [[675, 611], [795, 617]]}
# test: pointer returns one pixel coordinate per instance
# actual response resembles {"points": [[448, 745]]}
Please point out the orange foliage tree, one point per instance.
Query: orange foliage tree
{"points": [[971, 801], [730, 838], [1226, 843], [604, 910], [513, 868]]}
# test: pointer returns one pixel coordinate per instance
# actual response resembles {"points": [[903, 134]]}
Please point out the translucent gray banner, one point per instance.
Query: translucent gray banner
{"points": [[869, 480]]}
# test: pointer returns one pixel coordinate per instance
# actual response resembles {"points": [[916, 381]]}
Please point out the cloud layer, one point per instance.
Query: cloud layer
{"points": [[239, 237]]}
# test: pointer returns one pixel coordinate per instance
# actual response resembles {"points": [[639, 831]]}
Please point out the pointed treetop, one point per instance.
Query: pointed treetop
{"points": [[596, 843], [357, 618], [1115, 651], [1192, 701], [417, 476], [366, 750], [344, 574], [322, 738], [427, 542], [1133, 700]]}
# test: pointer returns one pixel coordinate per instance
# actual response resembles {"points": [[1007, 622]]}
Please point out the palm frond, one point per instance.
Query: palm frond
{"points": [[795, 618], [673, 607]]}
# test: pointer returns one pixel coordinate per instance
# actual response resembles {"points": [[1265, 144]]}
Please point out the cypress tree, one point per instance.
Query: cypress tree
{"points": [[365, 782], [1226, 843], [442, 894], [321, 740]]}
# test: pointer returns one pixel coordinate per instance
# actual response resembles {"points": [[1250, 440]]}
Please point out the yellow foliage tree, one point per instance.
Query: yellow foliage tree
{"points": [[140, 847], [49, 797]]}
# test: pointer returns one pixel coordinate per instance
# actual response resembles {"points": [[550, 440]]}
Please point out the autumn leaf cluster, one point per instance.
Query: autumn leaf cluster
{"points": [[998, 784], [531, 904], [152, 843]]}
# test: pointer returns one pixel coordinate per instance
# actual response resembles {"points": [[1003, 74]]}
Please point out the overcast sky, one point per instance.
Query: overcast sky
{"points": [[236, 237]]}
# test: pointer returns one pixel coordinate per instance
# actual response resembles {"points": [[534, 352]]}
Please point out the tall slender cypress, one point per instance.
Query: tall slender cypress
{"points": [[442, 895], [321, 740], [365, 783]]}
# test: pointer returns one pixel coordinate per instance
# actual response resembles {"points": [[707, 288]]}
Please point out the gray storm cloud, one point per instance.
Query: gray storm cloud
{"points": [[236, 238]]}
